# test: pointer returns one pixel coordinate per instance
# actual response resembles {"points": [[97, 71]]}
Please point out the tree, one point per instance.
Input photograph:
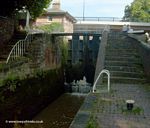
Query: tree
{"points": [[35, 7], [127, 13], [138, 11]]}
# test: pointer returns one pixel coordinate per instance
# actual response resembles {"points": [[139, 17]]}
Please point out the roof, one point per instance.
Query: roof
{"points": [[58, 12]]}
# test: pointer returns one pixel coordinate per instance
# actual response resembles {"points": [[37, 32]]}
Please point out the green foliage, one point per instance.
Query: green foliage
{"points": [[1, 66], [134, 111], [64, 52], [35, 7], [40, 74], [127, 13], [138, 11], [91, 123], [53, 27], [12, 81]]}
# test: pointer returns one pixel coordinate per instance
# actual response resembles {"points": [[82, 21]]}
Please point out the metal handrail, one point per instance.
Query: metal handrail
{"points": [[99, 19], [19, 48], [113, 19], [101, 60], [108, 74]]}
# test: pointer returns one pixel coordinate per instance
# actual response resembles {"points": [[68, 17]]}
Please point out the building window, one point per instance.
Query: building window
{"points": [[49, 18]]}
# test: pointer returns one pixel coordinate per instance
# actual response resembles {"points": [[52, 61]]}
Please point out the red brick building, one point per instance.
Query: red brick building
{"points": [[55, 14]]}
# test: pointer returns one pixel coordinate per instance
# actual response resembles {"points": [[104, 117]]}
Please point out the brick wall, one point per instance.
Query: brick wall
{"points": [[67, 24]]}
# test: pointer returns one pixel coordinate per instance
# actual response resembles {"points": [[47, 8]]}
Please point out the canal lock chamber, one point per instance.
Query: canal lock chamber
{"points": [[35, 93], [81, 63]]}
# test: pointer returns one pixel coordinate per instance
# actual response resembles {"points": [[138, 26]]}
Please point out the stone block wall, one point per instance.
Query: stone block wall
{"points": [[6, 30], [144, 50], [22, 99]]}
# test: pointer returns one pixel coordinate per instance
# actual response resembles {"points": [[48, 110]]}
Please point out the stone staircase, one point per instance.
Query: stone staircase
{"points": [[122, 60], [5, 50]]}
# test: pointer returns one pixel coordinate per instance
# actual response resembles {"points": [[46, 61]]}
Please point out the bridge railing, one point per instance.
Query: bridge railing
{"points": [[111, 19], [98, 19]]}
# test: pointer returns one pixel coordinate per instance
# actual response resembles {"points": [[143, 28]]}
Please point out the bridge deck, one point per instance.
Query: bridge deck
{"points": [[114, 23], [76, 33]]}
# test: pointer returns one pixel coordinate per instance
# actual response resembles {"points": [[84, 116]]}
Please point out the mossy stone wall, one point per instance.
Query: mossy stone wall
{"points": [[29, 96]]}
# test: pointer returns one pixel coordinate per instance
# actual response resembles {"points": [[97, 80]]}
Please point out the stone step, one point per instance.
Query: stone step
{"points": [[121, 48], [123, 58], [123, 63], [125, 68], [120, 45], [120, 39], [125, 80], [122, 53], [120, 42], [126, 74]]}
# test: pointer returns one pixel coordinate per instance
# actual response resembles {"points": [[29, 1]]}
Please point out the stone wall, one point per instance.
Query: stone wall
{"points": [[22, 99], [6, 30], [144, 50]]}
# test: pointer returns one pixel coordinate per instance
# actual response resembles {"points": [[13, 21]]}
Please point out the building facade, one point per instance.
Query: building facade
{"points": [[55, 14]]}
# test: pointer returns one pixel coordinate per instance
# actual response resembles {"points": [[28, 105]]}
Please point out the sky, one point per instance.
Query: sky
{"points": [[95, 8]]}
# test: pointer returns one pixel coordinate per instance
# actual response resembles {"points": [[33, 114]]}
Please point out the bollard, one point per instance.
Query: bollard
{"points": [[130, 104]]}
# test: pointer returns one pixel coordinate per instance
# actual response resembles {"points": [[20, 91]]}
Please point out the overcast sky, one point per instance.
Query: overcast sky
{"points": [[95, 8]]}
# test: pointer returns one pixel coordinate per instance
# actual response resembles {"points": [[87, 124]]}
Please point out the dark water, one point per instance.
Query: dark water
{"points": [[58, 114]]}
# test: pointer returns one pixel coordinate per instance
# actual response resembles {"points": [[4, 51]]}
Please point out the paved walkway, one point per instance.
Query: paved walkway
{"points": [[108, 110]]}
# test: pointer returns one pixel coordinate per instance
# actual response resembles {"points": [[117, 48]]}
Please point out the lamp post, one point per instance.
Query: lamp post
{"points": [[83, 8]]}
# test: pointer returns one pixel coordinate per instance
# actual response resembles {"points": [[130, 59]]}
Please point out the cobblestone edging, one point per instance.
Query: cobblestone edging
{"points": [[82, 117]]}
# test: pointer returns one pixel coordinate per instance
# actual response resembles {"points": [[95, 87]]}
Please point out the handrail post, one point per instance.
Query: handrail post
{"points": [[108, 81]]}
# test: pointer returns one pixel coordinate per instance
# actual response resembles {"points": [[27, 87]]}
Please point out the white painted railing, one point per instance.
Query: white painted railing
{"points": [[108, 75], [19, 48]]}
